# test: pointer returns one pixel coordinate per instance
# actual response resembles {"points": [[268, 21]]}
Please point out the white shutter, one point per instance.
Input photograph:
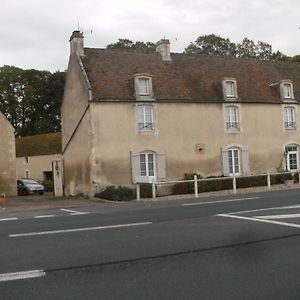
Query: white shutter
{"points": [[161, 166], [245, 161], [135, 166], [225, 161]]}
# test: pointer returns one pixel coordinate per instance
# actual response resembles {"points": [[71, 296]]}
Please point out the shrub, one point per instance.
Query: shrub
{"points": [[281, 178], [120, 193], [183, 188], [190, 176], [251, 181], [214, 185], [49, 186]]}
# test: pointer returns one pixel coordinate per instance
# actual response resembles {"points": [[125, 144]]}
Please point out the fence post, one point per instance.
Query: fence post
{"points": [[153, 190], [299, 177], [269, 180], [138, 191], [234, 183], [196, 186]]}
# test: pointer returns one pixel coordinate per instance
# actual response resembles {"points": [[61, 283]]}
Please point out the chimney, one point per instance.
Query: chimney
{"points": [[163, 47], [76, 43]]}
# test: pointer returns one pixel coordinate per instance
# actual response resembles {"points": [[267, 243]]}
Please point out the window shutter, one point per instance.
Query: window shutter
{"points": [[245, 161], [135, 166], [161, 166], [225, 161]]}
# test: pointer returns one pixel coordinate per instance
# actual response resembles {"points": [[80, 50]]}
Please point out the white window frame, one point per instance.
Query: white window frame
{"points": [[287, 90], [229, 87], [290, 118], [292, 151], [145, 124], [233, 154], [149, 170], [143, 87], [232, 118]]}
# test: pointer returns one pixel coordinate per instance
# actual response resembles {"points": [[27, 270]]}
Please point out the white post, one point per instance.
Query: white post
{"points": [[153, 190], [196, 186], [299, 177], [269, 180], [138, 191], [234, 184]]}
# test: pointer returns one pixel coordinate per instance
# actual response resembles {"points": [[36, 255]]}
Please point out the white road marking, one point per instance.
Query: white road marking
{"points": [[274, 217], [221, 201], [74, 212], [78, 229], [264, 209], [9, 219], [22, 275], [260, 220], [44, 216]]}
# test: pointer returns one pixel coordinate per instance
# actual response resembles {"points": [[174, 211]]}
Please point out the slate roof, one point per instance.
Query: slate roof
{"points": [[40, 144], [187, 78]]}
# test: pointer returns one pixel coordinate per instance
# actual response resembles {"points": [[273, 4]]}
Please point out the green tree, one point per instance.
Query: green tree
{"points": [[212, 45], [30, 99], [126, 44]]}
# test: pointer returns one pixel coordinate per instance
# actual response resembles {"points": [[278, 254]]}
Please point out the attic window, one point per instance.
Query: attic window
{"points": [[286, 90], [229, 87], [143, 87]]}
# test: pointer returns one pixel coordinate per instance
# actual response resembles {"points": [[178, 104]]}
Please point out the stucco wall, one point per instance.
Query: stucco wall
{"points": [[36, 165], [77, 161], [75, 101], [179, 128], [7, 158]]}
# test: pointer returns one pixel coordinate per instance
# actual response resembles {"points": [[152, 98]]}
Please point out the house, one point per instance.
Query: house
{"points": [[35, 155], [136, 117], [8, 180]]}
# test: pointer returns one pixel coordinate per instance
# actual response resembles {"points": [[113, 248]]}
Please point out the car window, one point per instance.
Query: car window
{"points": [[29, 181]]}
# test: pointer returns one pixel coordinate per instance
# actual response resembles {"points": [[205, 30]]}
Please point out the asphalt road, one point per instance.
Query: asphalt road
{"points": [[233, 247]]}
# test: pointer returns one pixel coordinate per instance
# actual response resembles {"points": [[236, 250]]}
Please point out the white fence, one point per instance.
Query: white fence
{"points": [[196, 180]]}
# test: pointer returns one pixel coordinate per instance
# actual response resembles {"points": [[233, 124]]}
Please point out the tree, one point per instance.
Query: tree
{"points": [[126, 44], [212, 45], [30, 99], [215, 45]]}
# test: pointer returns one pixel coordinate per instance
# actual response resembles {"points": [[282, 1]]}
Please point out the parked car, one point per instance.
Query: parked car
{"points": [[28, 186]]}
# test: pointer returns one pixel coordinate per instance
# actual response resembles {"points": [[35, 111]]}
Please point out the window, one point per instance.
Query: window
{"points": [[26, 158], [286, 90], [147, 164], [291, 152], [145, 118], [229, 87], [26, 174], [234, 162], [290, 121], [143, 87], [232, 118]]}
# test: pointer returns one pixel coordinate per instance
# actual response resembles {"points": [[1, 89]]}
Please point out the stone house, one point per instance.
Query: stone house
{"points": [[35, 155], [8, 180], [136, 117]]}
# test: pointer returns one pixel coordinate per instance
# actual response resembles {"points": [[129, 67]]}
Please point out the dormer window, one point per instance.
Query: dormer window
{"points": [[286, 90], [229, 87], [143, 87]]}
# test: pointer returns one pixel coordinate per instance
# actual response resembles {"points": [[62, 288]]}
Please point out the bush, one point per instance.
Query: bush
{"points": [[245, 182], [120, 193], [281, 178], [183, 188]]}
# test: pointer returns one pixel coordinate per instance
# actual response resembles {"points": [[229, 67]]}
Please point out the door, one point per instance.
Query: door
{"points": [[292, 158]]}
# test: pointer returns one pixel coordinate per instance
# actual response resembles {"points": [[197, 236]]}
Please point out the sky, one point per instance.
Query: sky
{"points": [[35, 33]]}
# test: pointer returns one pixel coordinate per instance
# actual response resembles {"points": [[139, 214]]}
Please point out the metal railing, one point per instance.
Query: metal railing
{"points": [[196, 180]]}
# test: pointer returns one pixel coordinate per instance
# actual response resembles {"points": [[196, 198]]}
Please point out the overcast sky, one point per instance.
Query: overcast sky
{"points": [[35, 33]]}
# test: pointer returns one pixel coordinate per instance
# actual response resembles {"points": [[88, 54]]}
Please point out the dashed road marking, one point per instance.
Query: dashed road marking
{"points": [[9, 219], [77, 229], [44, 216], [74, 212], [22, 275]]}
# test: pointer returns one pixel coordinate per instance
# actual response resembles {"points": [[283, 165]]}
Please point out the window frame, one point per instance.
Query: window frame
{"points": [[141, 95], [290, 88], [232, 118], [142, 124], [147, 174], [289, 153], [231, 161], [290, 118], [233, 88]]}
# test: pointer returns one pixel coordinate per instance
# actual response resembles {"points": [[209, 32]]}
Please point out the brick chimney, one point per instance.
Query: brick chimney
{"points": [[163, 47], [76, 43]]}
